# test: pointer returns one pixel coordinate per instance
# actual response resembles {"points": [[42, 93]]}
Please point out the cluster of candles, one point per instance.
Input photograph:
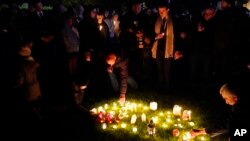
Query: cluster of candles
{"points": [[131, 115]]}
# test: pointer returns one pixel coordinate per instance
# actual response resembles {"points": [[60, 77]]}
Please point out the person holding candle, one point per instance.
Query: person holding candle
{"points": [[103, 31], [163, 46], [134, 28]]}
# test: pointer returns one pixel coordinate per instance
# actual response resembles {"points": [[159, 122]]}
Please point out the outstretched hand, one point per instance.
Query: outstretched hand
{"points": [[122, 99]]}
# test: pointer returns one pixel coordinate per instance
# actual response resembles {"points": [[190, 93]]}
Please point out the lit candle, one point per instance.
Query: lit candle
{"points": [[153, 106], [187, 136], [164, 125], [106, 106], [104, 126], [133, 105], [123, 125], [133, 119], [191, 123], [100, 27], [100, 109], [177, 110], [186, 115], [134, 129], [93, 111], [114, 126], [143, 117], [155, 119]]}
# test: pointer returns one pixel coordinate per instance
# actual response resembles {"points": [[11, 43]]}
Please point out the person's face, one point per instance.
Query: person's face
{"points": [[99, 18], [230, 99], [208, 14], [70, 21], [136, 8], [163, 11], [93, 14], [115, 17], [106, 14], [224, 4], [39, 6]]}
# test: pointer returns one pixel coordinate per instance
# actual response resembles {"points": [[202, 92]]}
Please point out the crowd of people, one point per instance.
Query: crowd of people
{"points": [[53, 58]]}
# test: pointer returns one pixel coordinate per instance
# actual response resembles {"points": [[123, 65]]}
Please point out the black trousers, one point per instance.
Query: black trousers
{"points": [[164, 71]]}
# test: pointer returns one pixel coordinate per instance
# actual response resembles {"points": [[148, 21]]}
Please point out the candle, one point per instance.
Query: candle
{"points": [[153, 106], [186, 115], [123, 125], [104, 126], [143, 117], [106, 106], [134, 129], [100, 27], [177, 110], [133, 119], [93, 111], [186, 136]]}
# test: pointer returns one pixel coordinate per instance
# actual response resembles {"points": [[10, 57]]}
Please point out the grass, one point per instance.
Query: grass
{"points": [[208, 111]]}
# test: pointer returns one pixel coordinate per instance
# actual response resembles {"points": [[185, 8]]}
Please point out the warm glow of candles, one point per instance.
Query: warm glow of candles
{"points": [[100, 27], [155, 119], [180, 125], [104, 126], [186, 115], [100, 109], [143, 117], [134, 129], [106, 106], [169, 120], [164, 125], [187, 136], [133, 105], [153, 106], [94, 111], [177, 110], [133, 119], [123, 125], [191, 123], [115, 126]]}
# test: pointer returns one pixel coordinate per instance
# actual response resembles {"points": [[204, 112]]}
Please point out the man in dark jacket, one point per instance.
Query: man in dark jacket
{"points": [[235, 95]]}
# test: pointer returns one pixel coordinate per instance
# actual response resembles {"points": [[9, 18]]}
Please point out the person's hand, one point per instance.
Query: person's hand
{"points": [[110, 69], [159, 36], [88, 56], [130, 30], [122, 99], [183, 35], [197, 132], [47, 39], [177, 55]]}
